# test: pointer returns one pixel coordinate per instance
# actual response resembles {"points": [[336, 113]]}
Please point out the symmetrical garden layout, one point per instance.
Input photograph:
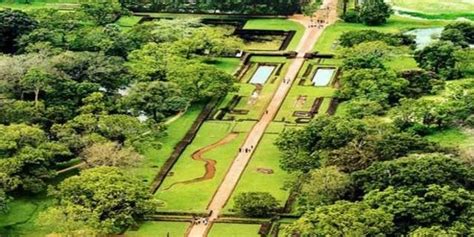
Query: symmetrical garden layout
{"points": [[277, 89]]}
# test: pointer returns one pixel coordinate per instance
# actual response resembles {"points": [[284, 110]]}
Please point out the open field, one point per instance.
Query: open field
{"points": [[234, 230], [159, 228], [196, 196], [128, 21], [253, 179], [328, 41], [436, 9]]}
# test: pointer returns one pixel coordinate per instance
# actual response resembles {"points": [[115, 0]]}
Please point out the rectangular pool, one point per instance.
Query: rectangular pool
{"points": [[262, 74], [323, 76]]}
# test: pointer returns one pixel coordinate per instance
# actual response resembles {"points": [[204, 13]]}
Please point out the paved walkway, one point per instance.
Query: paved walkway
{"points": [[232, 177]]}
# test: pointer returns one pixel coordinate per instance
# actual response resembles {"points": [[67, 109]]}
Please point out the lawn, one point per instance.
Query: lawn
{"points": [[160, 229], [278, 24], [328, 41], [62, 5], [454, 137], [234, 230], [266, 156], [196, 196], [128, 21], [228, 65], [22, 217], [265, 42], [453, 8], [156, 157]]}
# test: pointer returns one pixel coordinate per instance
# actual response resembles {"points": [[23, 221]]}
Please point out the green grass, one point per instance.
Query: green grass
{"points": [[266, 42], [278, 24], [454, 137], [196, 196], [234, 230], [160, 229], [156, 157], [436, 6], [266, 156], [21, 219], [128, 21], [327, 42], [63, 5], [228, 65]]}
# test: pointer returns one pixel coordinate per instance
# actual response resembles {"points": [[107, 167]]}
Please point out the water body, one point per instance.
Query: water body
{"points": [[323, 76], [262, 74], [425, 37]]}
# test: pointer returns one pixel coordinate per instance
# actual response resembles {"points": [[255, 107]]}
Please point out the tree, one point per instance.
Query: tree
{"points": [[352, 38], [156, 99], [374, 12], [13, 24], [434, 205], [110, 154], [367, 55], [440, 58], [421, 83], [200, 81], [27, 157], [360, 108], [343, 219], [455, 36], [415, 172], [37, 81], [465, 27], [322, 187], [102, 200], [377, 85], [103, 12], [255, 204], [301, 147]]}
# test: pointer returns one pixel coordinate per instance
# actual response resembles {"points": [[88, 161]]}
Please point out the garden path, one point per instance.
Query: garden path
{"points": [[224, 192]]}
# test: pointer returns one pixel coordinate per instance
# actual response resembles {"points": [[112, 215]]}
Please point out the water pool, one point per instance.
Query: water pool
{"points": [[262, 74], [323, 76], [425, 37]]}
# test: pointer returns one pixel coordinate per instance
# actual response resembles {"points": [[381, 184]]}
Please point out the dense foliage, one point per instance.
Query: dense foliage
{"points": [[75, 87], [285, 7], [255, 204], [101, 200]]}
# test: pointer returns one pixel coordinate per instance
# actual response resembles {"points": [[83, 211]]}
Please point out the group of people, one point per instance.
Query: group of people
{"points": [[286, 81], [319, 24], [246, 150], [199, 220]]}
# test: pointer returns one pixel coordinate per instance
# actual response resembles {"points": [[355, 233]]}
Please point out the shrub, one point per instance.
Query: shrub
{"points": [[255, 204]]}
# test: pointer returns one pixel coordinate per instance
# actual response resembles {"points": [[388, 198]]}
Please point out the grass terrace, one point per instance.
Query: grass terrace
{"points": [[195, 195], [278, 24], [263, 173], [234, 230], [159, 228], [302, 94], [155, 157], [244, 104], [436, 9]]}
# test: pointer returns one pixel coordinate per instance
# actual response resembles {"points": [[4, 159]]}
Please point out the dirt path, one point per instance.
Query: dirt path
{"points": [[210, 165], [224, 192]]}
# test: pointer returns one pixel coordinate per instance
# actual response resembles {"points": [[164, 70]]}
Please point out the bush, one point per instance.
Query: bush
{"points": [[374, 12], [469, 121], [351, 16], [255, 204]]}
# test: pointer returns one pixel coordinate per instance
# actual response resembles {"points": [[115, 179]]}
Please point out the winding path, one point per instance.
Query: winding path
{"points": [[210, 165], [224, 192]]}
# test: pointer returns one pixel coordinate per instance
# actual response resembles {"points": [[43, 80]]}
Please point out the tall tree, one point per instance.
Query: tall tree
{"points": [[13, 24]]}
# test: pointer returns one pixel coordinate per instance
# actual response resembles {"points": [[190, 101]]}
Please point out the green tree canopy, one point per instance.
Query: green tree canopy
{"points": [[101, 200], [255, 204]]}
